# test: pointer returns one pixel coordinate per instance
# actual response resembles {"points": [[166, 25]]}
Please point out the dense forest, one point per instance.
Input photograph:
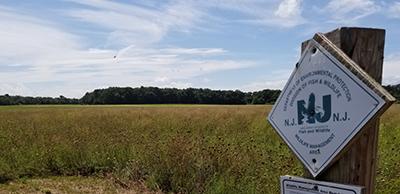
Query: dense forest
{"points": [[155, 95], [20, 100], [152, 95]]}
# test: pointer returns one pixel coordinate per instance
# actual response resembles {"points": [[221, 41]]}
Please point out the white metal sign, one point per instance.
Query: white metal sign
{"points": [[297, 185], [321, 108]]}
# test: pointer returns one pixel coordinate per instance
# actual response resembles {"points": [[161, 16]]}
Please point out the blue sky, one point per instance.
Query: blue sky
{"points": [[67, 47]]}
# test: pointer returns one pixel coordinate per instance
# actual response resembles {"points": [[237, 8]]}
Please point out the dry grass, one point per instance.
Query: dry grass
{"points": [[76, 184], [388, 170], [188, 149]]}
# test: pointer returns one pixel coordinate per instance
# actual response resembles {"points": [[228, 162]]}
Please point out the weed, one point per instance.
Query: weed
{"points": [[47, 191]]}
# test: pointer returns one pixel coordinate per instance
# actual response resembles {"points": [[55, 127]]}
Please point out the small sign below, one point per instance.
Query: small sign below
{"points": [[321, 108], [298, 185]]}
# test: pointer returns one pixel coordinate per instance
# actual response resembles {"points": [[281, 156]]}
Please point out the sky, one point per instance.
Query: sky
{"points": [[70, 47]]}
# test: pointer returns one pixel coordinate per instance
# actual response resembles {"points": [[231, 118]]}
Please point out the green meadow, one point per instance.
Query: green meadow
{"points": [[173, 148]]}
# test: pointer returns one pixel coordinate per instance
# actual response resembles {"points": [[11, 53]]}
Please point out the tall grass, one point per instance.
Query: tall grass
{"points": [[190, 149], [388, 170]]}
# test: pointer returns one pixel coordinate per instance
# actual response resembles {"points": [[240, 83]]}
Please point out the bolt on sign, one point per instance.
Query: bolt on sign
{"points": [[327, 100]]}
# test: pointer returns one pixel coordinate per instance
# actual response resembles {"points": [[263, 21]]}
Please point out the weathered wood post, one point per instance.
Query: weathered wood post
{"points": [[328, 112], [357, 165]]}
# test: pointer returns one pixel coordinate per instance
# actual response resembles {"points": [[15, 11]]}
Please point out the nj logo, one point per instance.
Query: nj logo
{"points": [[308, 112]]}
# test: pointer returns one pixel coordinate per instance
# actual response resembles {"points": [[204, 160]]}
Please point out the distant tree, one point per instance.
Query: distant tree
{"points": [[394, 90], [266, 96], [5, 100], [28, 100], [155, 95]]}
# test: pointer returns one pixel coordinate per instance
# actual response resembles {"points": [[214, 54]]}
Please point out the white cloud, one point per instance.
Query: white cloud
{"points": [[132, 24], [349, 12], [161, 79], [288, 9], [195, 50], [59, 63], [287, 14], [126, 28], [206, 80], [181, 15], [257, 86], [15, 89], [391, 69], [181, 84], [255, 8], [394, 10], [276, 81], [30, 38], [279, 18]]}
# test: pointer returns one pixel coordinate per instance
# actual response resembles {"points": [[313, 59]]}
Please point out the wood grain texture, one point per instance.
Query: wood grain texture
{"points": [[361, 51]]}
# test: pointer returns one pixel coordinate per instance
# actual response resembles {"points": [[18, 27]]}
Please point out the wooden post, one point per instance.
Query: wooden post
{"points": [[357, 164]]}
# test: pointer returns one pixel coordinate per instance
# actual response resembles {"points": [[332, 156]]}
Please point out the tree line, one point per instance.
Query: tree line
{"points": [[21, 100], [394, 90], [152, 95], [155, 95]]}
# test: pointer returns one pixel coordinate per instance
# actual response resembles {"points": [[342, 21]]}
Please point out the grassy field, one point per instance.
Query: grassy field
{"points": [[173, 148]]}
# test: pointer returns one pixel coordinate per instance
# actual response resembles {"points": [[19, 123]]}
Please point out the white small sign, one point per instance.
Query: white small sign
{"points": [[297, 185], [321, 108]]}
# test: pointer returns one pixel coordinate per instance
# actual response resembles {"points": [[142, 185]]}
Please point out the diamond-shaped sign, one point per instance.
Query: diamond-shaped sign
{"points": [[321, 108]]}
